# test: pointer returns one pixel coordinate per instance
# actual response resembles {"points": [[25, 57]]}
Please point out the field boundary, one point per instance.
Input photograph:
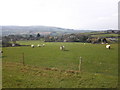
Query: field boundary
{"points": [[12, 64]]}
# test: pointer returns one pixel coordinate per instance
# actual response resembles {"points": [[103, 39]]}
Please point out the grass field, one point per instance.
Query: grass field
{"points": [[51, 68], [105, 35]]}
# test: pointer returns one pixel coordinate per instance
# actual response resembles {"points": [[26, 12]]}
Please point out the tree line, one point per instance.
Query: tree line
{"points": [[7, 40]]}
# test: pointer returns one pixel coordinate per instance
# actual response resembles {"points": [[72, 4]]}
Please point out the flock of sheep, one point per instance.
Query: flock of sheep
{"points": [[63, 47], [42, 45]]}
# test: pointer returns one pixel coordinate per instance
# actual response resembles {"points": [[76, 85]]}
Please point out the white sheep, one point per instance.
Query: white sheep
{"points": [[43, 45], [1, 51], [38, 45], [32, 46], [108, 46], [13, 45], [62, 47]]}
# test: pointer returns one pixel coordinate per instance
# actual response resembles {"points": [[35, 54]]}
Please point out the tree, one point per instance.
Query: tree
{"points": [[31, 36], [38, 35], [99, 40], [104, 40], [5, 42]]}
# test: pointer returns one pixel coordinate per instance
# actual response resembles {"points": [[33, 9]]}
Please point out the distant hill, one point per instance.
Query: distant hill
{"points": [[9, 30]]}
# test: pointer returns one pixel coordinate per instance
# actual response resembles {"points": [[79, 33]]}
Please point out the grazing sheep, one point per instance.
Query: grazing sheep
{"points": [[1, 51], [13, 45], [43, 45], [62, 47], [108, 46], [38, 45], [32, 46]]}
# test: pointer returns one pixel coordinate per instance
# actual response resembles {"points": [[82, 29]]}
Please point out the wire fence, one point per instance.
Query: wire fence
{"points": [[51, 62]]}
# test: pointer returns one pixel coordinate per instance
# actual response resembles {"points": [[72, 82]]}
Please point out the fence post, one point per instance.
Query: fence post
{"points": [[23, 59], [80, 63]]}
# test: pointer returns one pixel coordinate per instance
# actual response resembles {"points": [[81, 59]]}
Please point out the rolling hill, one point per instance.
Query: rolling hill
{"points": [[8, 30]]}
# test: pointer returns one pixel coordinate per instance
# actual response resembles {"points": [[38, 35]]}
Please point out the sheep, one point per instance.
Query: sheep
{"points": [[108, 46], [1, 51], [43, 45], [62, 47], [38, 45], [32, 46], [13, 45]]}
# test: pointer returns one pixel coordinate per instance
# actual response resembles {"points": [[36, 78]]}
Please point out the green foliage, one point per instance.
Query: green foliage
{"points": [[104, 40], [38, 35]]}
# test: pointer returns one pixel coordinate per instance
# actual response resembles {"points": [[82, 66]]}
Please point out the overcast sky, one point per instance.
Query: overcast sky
{"points": [[74, 14]]}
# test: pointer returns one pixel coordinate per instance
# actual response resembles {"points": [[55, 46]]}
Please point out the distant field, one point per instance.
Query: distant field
{"points": [[105, 35], [99, 65], [94, 32], [100, 34]]}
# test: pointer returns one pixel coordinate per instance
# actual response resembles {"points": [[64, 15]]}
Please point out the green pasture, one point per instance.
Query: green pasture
{"points": [[96, 60], [105, 35]]}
